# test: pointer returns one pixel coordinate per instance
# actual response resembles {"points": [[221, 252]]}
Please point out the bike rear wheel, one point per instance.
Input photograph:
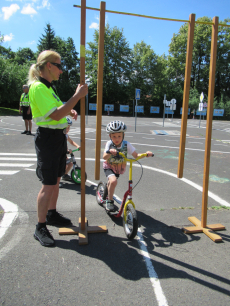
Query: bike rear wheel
{"points": [[76, 175], [101, 192], [131, 222]]}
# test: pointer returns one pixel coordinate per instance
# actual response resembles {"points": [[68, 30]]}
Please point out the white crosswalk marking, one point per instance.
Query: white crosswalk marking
{"points": [[15, 165], [74, 131], [7, 172], [18, 158], [15, 160]]}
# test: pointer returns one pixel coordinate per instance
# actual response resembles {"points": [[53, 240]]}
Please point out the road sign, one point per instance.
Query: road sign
{"points": [[205, 104], [201, 97], [137, 94], [201, 107], [173, 104]]}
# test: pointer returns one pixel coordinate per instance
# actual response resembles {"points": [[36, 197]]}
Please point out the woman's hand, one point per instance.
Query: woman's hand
{"points": [[81, 91], [73, 114]]}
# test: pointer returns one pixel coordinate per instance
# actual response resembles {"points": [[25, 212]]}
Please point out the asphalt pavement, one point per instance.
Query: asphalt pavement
{"points": [[162, 265]]}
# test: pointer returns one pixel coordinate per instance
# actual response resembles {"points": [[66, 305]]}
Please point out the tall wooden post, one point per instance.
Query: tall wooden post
{"points": [[82, 81], [83, 229], [211, 88], [201, 226], [188, 69], [99, 89]]}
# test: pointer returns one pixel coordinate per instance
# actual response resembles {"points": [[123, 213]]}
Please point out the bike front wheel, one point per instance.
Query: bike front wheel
{"points": [[76, 175], [101, 192], [131, 222]]}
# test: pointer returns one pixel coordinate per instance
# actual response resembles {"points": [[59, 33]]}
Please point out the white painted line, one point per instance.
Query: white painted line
{"points": [[8, 172], [18, 158], [195, 142], [30, 169], [10, 214], [15, 165], [147, 138], [161, 299], [200, 188], [189, 149], [18, 154], [23, 217]]}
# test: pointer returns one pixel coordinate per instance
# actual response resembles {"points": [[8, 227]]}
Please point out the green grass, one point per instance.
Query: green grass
{"points": [[8, 111], [219, 207]]}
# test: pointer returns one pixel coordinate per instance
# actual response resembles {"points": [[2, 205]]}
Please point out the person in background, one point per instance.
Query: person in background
{"points": [[49, 114], [25, 109], [66, 176]]}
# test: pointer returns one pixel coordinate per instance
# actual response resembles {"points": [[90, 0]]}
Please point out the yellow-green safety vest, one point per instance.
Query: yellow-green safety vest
{"points": [[44, 101], [24, 100]]}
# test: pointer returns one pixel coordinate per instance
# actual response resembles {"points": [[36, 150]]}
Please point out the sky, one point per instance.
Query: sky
{"points": [[22, 22]]}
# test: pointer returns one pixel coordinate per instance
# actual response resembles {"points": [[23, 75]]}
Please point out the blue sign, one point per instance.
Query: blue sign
{"points": [[109, 107], [218, 112], [93, 106], [124, 108], [154, 110], [169, 111], [202, 113], [139, 109], [137, 94], [181, 111]]}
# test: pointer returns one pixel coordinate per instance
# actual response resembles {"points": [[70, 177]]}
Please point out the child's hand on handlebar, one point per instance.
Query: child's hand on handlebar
{"points": [[113, 151], [149, 153], [70, 151]]}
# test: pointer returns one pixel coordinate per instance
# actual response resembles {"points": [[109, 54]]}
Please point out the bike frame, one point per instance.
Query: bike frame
{"points": [[72, 160], [128, 193]]}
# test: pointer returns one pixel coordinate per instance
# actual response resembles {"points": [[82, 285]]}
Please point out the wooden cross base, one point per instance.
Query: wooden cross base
{"points": [[208, 230], [82, 233]]}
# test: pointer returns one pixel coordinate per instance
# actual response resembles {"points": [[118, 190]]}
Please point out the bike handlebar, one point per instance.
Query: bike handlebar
{"points": [[73, 150], [128, 159]]}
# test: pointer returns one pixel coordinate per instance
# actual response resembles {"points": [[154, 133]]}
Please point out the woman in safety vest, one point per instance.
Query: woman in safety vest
{"points": [[49, 114]]}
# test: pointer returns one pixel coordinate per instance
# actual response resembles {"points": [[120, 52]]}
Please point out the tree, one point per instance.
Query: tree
{"points": [[6, 53], [24, 55], [117, 65], [144, 67], [47, 41], [70, 77], [201, 58]]}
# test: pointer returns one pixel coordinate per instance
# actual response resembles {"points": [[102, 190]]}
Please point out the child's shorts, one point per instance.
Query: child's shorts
{"points": [[109, 172]]}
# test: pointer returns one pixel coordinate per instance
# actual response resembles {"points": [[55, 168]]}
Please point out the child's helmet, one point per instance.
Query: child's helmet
{"points": [[116, 126], [69, 121]]}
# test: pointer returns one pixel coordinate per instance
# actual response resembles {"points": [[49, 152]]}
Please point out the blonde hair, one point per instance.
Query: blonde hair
{"points": [[43, 58]]}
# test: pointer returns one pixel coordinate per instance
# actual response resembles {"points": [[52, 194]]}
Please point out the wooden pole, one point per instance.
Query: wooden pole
{"points": [[99, 89], [212, 71], [188, 69], [202, 226], [82, 81], [83, 229]]}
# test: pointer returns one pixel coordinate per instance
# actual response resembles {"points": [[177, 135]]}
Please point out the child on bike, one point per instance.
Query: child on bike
{"points": [[115, 165], [66, 176]]}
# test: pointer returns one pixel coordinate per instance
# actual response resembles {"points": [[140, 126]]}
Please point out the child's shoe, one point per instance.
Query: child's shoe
{"points": [[66, 177], [110, 205]]}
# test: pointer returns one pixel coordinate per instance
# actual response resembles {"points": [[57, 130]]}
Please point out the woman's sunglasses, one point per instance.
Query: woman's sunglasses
{"points": [[57, 65]]}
